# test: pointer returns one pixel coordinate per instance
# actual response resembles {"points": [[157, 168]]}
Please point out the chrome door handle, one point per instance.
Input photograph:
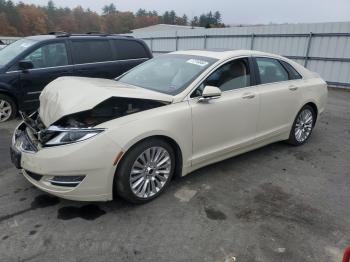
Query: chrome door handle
{"points": [[248, 96], [293, 88]]}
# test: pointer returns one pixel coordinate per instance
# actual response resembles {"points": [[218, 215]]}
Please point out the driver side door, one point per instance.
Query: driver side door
{"points": [[226, 125], [50, 61]]}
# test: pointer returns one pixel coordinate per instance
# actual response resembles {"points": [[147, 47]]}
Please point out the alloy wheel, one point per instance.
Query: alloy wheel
{"points": [[303, 125], [150, 172], [5, 110]]}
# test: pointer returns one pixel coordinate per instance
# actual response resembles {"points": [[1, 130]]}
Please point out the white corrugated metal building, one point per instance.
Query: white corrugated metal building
{"points": [[322, 47], [162, 27]]}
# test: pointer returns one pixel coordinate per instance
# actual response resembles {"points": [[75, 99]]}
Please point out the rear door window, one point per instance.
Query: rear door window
{"points": [[91, 51], [271, 70], [129, 49]]}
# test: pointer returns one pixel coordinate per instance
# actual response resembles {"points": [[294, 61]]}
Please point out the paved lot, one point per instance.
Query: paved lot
{"points": [[278, 203]]}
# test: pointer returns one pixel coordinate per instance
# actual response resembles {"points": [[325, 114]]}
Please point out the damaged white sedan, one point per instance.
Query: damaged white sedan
{"points": [[94, 138]]}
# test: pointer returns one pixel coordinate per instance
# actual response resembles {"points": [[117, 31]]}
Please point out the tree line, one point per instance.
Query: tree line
{"points": [[28, 19]]}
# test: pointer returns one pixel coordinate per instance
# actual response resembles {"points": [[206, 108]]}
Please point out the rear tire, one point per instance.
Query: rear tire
{"points": [[145, 171], [302, 126], [8, 108]]}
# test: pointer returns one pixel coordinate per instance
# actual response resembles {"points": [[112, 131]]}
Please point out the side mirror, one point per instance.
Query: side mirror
{"points": [[25, 65], [210, 92]]}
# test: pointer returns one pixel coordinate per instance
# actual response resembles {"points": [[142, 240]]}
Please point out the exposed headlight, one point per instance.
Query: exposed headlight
{"points": [[68, 136]]}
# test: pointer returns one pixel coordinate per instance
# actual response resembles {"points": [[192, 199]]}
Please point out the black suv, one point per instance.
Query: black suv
{"points": [[29, 64]]}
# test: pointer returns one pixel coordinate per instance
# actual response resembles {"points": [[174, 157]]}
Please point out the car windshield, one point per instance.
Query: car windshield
{"points": [[11, 51], [169, 74]]}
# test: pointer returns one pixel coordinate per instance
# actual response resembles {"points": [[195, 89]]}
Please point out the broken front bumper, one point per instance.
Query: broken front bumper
{"points": [[81, 171]]}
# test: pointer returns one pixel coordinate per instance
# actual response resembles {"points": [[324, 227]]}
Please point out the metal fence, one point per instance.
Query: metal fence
{"points": [[323, 48]]}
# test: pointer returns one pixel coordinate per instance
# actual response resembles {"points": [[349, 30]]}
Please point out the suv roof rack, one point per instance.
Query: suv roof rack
{"points": [[96, 33], [65, 34], [108, 34], [58, 33], [127, 36]]}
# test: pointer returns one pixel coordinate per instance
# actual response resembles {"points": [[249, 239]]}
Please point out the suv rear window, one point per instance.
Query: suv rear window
{"points": [[91, 51], [129, 49]]}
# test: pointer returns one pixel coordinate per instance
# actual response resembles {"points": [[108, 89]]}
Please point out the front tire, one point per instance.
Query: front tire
{"points": [[302, 126], [145, 171], [8, 108]]}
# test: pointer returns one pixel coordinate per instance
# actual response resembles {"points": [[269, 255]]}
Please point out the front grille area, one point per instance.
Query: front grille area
{"points": [[36, 177], [35, 129]]}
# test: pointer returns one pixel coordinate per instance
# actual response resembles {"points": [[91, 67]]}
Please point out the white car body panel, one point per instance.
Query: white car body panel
{"points": [[278, 108], [67, 160], [211, 135], [237, 122]]}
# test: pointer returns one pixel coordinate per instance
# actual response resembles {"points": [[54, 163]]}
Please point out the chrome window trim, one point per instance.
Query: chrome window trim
{"points": [[279, 82], [34, 92], [52, 67], [36, 69], [31, 100], [111, 61]]}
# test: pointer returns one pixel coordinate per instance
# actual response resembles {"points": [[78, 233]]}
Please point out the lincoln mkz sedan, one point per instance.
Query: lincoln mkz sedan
{"points": [[92, 139]]}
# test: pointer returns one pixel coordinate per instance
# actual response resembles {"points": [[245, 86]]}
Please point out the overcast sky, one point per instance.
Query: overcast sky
{"points": [[233, 11]]}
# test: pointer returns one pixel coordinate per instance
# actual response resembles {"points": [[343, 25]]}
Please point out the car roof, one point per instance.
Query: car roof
{"points": [[77, 36], [224, 54]]}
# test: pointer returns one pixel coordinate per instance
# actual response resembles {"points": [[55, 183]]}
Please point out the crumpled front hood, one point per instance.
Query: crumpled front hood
{"points": [[69, 95]]}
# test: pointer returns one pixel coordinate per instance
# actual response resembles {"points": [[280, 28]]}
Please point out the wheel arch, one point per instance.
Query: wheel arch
{"points": [[14, 102], [9, 94], [314, 107], [171, 141]]}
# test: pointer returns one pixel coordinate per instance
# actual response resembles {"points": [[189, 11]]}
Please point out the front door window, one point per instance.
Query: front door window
{"points": [[232, 75], [50, 55]]}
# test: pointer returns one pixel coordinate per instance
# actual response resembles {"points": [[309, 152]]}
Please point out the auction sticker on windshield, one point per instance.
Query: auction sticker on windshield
{"points": [[25, 45], [197, 62]]}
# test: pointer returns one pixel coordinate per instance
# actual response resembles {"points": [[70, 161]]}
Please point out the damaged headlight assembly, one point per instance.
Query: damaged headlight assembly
{"points": [[56, 134], [63, 136]]}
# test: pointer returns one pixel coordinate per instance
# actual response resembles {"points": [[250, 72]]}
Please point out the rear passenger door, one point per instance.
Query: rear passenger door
{"points": [[130, 53], [94, 58], [279, 96]]}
